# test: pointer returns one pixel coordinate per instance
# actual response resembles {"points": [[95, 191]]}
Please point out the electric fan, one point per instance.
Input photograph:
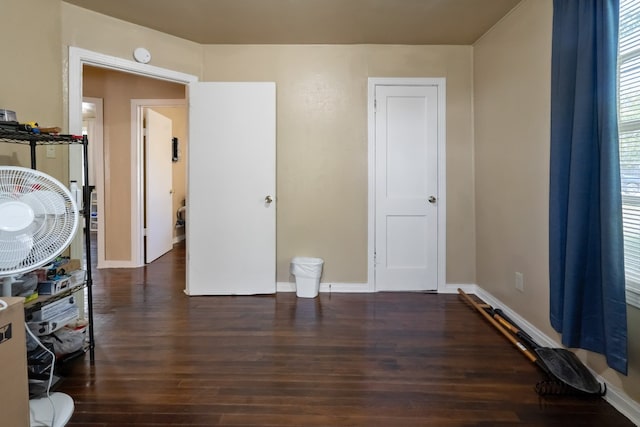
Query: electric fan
{"points": [[38, 220]]}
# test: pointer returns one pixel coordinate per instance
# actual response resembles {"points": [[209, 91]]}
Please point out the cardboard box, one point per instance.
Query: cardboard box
{"points": [[51, 270], [14, 389], [76, 277], [73, 264], [50, 311], [55, 323], [52, 287]]}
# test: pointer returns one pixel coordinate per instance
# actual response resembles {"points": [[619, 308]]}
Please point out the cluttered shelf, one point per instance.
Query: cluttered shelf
{"points": [[42, 300], [58, 276], [50, 294], [57, 296], [28, 136], [55, 302], [54, 320]]}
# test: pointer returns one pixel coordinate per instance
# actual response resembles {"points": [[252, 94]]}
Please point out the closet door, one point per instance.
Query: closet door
{"points": [[406, 195], [231, 216]]}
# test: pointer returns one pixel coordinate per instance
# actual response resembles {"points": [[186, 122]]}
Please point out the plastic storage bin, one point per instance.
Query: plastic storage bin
{"points": [[307, 272]]}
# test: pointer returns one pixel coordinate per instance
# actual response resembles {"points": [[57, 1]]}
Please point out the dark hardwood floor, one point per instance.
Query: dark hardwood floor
{"points": [[384, 359]]}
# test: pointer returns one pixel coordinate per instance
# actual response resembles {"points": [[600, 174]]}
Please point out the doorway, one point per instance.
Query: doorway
{"points": [[122, 196], [174, 165], [236, 116], [407, 184]]}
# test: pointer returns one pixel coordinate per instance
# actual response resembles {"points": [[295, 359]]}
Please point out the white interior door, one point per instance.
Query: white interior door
{"points": [[406, 188], [158, 185], [230, 219]]}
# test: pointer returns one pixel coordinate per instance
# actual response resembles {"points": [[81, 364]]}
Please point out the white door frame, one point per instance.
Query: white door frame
{"points": [[79, 57], [97, 163], [440, 83], [137, 193]]}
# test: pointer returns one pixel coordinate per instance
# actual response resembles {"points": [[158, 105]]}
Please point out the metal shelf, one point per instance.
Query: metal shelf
{"points": [[27, 138], [34, 140]]}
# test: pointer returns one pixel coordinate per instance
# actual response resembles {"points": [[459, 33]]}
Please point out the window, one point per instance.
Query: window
{"points": [[629, 132]]}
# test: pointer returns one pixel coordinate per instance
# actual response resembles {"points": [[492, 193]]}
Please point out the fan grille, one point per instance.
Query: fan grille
{"points": [[54, 224]]}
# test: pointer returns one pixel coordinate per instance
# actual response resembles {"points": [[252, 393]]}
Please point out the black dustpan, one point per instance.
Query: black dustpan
{"points": [[564, 366]]}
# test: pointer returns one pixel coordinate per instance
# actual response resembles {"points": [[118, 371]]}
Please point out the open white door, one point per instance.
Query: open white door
{"points": [[158, 185], [231, 189]]}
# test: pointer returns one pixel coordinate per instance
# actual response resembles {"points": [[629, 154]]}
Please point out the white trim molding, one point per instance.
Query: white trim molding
{"points": [[340, 287], [452, 288], [440, 83], [117, 264], [96, 167], [328, 287]]}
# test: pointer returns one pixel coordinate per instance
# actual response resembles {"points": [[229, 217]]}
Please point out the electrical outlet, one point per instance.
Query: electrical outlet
{"points": [[51, 152], [519, 282]]}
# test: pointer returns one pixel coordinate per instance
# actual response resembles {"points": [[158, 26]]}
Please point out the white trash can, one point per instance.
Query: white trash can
{"points": [[307, 272]]}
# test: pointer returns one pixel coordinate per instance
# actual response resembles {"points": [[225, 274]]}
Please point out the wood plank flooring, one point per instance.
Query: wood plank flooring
{"points": [[384, 359]]}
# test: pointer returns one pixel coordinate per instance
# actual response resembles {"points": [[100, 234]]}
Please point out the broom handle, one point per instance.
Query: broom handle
{"points": [[498, 326], [506, 324]]}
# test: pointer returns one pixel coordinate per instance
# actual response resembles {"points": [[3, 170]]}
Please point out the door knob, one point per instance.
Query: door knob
{"points": [[432, 199], [268, 199]]}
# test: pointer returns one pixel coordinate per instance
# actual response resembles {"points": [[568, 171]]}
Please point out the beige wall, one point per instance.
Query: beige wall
{"points": [[512, 107], [322, 145], [512, 126], [322, 130], [31, 76], [31, 58], [117, 90], [99, 33]]}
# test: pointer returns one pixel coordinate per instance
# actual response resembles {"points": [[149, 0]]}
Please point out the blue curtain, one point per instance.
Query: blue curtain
{"points": [[586, 255]]}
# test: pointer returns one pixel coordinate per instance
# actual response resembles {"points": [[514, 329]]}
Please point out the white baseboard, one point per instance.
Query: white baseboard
{"points": [[616, 397], [179, 238], [117, 264], [285, 287], [452, 288], [329, 287], [366, 288]]}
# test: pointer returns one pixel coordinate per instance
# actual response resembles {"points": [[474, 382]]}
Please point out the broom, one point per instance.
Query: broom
{"points": [[566, 373]]}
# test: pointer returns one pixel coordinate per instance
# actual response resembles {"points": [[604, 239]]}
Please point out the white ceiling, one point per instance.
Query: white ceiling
{"points": [[459, 22]]}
